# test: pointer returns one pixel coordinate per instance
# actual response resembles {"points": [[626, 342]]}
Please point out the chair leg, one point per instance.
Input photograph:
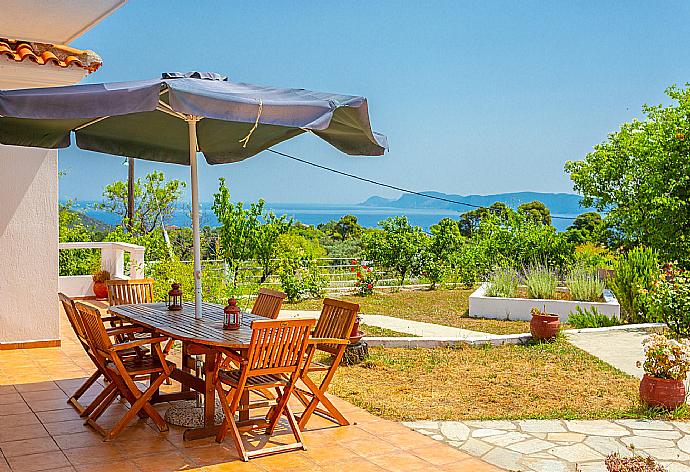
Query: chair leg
{"points": [[320, 397], [100, 398], [229, 424], [74, 399], [141, 402]]}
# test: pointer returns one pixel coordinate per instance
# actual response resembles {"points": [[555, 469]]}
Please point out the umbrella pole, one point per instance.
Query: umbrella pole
{"points": [[192, 121]]}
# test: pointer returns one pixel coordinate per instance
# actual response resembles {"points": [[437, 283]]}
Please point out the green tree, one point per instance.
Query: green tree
{"points": [[469, 221], [238, 231], [265, 242], [641, 176], [537, 211], [397, 246], [588, 227], [155, 201], [298, 267], [75, 261], [442, 250]]}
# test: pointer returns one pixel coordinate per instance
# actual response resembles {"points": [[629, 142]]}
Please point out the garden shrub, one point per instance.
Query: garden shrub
{"points": [[503, 283], [669, 300], [635, 273], [615, 463], [541, 281], [591, 318], [584, 285]]}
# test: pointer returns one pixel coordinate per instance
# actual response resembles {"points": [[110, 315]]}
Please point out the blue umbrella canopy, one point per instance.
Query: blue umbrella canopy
{"points": [[145, 119], [172, 118]]}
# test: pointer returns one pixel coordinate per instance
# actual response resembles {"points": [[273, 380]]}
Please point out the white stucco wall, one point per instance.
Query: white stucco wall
{"points": [[28, 245]]}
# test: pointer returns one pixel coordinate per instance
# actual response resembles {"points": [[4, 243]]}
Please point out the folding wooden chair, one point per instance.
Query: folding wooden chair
{"points": [[274, 360], [123, 372], [268, 303], [75, 321], [331, 335], [130, 291]]}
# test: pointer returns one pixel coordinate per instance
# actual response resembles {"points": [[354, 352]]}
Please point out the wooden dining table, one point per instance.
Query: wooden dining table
{"points": [[199, 337]]}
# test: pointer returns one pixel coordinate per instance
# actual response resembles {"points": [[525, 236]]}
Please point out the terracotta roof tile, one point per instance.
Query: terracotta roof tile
{"points": [[42, 54]]}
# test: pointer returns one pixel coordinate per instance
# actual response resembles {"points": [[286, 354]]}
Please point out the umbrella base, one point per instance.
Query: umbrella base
{"points": [[187, 414]]}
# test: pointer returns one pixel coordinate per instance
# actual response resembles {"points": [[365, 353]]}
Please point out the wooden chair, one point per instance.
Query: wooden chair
{"points": [[331, 335], [78, 328], [127, 292], [268, 303], [123, 372], [274, 360]]}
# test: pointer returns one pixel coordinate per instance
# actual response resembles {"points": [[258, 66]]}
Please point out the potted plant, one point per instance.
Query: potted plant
{"points": [[99, 288], [666, 366], [543, 325]]}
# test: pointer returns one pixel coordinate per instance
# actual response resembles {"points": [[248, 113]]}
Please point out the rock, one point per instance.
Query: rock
{"points": [[596, 428], [485, 432], [506, 439], [684, 444], [566, 437], [531, 446], [492, 424], [575, 453], [672, 435], [355, 353], [667, 454], [641, 442], [422, 424], [541, 426], [547, 465], [455, 431], [656, 425], [476, 447], [606, 446], [503, 458]]}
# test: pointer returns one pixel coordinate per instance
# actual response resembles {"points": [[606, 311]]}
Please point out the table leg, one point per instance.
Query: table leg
{"points": [[209, 389]]}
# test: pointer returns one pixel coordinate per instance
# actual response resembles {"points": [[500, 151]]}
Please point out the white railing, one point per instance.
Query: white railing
{"points": [[112, 260]]}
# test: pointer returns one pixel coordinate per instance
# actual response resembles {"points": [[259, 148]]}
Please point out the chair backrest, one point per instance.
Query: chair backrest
{"points": [[73, 318], [97, 337], [336, 321], [278, 346], [268, 303], [127, 292]]}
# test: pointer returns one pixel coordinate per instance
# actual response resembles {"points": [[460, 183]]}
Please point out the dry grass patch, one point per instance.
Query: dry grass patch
{"points": [[443, 307], [554, 380]]}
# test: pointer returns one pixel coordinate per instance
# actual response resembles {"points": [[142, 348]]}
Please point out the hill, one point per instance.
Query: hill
{"points": [[558, 203]]}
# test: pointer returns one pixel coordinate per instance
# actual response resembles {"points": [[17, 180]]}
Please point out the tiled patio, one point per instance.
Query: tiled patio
{"points": [[40, 431]]}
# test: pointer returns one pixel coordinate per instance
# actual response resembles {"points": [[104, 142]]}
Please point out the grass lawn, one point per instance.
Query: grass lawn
{"points": [[555, 380], [444, 307], [375, 331]]}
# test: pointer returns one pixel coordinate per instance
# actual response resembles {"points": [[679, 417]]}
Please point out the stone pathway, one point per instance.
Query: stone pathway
{"points": [[418, 328], [557, 445], [621, 349]]}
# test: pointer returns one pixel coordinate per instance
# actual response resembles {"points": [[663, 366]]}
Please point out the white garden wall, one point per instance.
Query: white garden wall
{"points": [[499, 308]]}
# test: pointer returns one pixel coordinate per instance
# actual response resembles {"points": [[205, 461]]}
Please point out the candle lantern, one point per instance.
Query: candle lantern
{"points": [[231, 315], [174, 300]]}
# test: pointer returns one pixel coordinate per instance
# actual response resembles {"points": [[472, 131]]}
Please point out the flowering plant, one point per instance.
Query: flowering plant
{"points": [[666, 358], [366, 277], [669, 299]]}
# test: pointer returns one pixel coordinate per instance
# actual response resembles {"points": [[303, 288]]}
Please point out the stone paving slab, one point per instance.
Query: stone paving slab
{"points": [[621, 349], [563, 445]]}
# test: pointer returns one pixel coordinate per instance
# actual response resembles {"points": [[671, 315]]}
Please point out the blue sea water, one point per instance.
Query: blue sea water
{"points": [[313, 214]]}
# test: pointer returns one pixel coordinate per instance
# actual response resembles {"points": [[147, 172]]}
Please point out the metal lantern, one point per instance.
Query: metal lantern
{"points": [[231, 315], [175, 298]]}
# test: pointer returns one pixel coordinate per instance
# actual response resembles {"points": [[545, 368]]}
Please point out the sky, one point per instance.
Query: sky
{"points": [[474, 97]]}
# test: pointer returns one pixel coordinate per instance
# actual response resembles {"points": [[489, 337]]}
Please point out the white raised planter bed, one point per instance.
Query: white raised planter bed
{"points": [[499, 308]]}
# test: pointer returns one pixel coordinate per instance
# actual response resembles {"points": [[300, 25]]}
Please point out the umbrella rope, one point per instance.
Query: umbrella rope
{"points": [[393, 187], [245, 140]]}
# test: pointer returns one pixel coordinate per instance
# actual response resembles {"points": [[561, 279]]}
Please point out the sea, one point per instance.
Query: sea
{"points": [[314, 214]]}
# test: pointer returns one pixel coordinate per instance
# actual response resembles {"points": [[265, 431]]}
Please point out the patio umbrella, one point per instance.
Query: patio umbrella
{"points": [[172, 118]]}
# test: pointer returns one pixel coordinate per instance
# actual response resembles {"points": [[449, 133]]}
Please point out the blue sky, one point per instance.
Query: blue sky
{"points": [[475, 97]]}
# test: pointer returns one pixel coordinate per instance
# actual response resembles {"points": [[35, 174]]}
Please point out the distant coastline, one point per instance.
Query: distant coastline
{"points": [[419, 210]]}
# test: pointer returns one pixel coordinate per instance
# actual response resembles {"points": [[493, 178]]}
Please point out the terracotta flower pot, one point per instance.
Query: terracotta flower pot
{"points": [[666, 393], [100, 289], [544, 326]]}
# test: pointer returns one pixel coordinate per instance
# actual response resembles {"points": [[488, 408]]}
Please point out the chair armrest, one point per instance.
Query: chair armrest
{"points": [[139, 342], [328, 341], [124, 330], [111, 318], [232, 355]]}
